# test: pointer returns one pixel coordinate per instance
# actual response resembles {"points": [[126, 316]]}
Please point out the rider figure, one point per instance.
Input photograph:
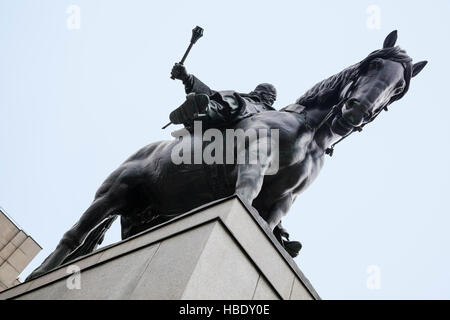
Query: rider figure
{"points": [[222, 109], [218, 108]]}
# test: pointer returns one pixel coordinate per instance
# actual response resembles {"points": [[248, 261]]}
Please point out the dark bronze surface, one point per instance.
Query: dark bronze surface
{"points": [[148, 188]]}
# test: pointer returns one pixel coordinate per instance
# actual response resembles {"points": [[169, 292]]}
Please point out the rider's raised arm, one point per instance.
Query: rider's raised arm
{"points": [[191, 83]]}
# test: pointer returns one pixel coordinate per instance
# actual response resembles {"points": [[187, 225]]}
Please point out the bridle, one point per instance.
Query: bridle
{"points": [[336, 110]]}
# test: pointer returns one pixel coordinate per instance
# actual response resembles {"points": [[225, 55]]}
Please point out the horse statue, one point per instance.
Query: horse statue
{"points": [[149, 188]]}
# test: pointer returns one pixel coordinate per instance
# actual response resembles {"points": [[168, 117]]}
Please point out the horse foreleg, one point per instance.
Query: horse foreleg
{"points": [[279, 210], [261, 158], [249, 182], [250, 176], [99, 210], [273, 219]]}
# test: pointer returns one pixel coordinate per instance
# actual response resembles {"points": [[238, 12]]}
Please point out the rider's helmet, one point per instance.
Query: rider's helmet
{"points": [[266, 92]]}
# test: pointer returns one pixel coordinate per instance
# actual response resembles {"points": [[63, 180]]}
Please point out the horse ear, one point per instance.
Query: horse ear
{"points": [[390, 40], [417, 67]]}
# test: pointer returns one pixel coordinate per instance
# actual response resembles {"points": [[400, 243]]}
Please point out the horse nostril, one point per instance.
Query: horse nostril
{"points": [[353, 103]]}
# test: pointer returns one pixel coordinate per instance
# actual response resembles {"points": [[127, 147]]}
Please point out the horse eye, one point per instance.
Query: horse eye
{"points": [[401, 84], [398, 90], [376, 63], [400, 87]]}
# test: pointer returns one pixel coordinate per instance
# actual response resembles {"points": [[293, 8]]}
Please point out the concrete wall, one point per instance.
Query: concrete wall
{"points": [[17, 249], [219, 251]]}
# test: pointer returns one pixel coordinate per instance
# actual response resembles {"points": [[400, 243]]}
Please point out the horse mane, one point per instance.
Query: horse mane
{"points": [[332, 86]]}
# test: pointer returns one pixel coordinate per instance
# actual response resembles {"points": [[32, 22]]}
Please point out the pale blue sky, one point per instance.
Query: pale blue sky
{"points": [[74, 104]]}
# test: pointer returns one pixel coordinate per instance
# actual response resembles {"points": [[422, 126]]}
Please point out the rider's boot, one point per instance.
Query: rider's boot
{"points": [[193, 108], [292, 247]]}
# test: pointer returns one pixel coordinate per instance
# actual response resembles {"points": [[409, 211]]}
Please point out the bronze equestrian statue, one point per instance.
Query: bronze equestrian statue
{"points": [[223, 109], [220, 109], [148, 188]]}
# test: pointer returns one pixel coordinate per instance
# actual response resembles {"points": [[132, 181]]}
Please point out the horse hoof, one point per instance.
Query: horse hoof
{"points": [[36, 273], [292, 247]]}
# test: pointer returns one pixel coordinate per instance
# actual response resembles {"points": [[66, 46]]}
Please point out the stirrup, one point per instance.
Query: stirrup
{"points": [[194, 107]]}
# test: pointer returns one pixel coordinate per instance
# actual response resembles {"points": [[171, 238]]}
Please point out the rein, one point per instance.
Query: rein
{"points": [[345, 93], [335, 110], [329, 151]]}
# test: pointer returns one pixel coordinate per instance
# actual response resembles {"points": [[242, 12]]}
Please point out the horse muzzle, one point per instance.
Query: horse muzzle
{"points": [[341, 126], [352, 116]]}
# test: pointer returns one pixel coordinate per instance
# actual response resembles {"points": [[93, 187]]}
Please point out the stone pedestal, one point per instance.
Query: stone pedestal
{"points": [[219, 251], [17, 249]]}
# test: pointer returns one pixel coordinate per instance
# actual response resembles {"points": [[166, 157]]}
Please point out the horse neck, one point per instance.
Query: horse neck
{"points": [[324, 137]]}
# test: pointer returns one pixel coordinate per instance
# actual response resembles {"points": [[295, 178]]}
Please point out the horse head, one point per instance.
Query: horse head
{"points": [[377, 81]]}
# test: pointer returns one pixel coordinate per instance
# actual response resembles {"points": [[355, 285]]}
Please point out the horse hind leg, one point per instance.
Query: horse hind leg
{"points": [[101, 209], [93, 240]]}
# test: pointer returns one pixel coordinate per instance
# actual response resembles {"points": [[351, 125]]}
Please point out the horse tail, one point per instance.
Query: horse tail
{"points": [[93, 240]]}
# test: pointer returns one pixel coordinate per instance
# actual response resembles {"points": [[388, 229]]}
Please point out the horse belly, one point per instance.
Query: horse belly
{"points": [[184, 187]]}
